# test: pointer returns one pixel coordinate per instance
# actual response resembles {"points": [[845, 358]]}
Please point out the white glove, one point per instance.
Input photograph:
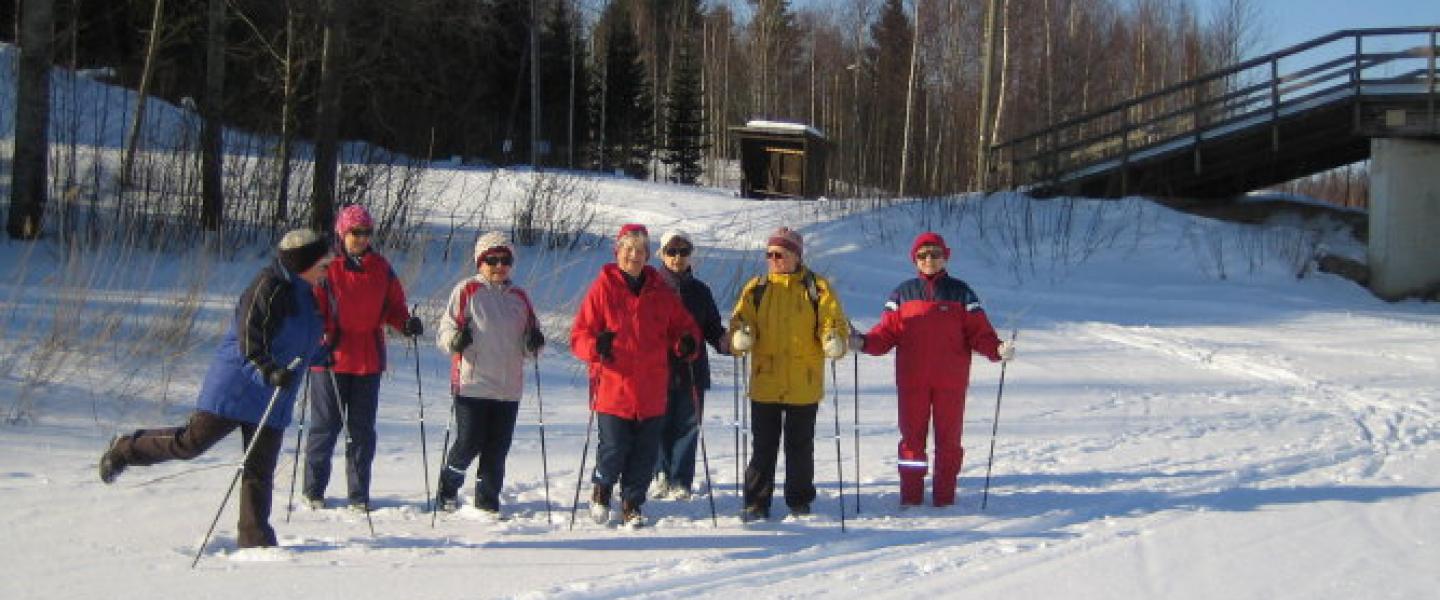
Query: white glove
{"points": [[1006, 351], [741, 341], [857, 340], [834, 346]]}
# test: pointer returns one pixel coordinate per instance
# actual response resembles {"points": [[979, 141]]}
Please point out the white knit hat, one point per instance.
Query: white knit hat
{"points": [[493, 241], [675, 234]]}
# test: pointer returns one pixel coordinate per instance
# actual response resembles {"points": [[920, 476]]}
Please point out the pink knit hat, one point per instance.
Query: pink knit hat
{"points": [[636, 230], [351, 217], [788, 239]]}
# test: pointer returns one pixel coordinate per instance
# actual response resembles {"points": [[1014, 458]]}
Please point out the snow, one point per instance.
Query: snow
{"points": [[1186, 418]]}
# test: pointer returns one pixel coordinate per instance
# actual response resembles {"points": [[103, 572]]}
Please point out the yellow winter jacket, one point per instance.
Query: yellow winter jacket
{"points": [[787, 363]]}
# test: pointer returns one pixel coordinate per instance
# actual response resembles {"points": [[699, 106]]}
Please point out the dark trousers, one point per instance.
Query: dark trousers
{"points": [[679, 435], [796, 423], [626, 453], [357, 400], [484, 428], [152, 446]]}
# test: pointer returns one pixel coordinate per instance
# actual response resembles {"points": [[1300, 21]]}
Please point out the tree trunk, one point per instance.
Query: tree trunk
{"points": [[287, 122], [327, 118], [30, 175], [127, 164], [909, 103], [212, 194]]}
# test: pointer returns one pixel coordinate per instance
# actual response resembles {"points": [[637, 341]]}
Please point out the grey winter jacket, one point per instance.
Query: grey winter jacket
{"points": [[498, 316]]}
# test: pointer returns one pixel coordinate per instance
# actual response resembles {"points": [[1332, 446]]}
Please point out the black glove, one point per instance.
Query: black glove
{"points": [[413, 327], [278, 376], [534, 340], [686, 346], [461, 340], [604, 344]]}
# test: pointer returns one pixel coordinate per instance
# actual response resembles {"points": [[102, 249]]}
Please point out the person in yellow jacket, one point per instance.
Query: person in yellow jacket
{"points": [[790, 321]]}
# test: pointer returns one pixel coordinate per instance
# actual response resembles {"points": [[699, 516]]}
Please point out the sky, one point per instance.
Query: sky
{"points": [[1290, 22]]}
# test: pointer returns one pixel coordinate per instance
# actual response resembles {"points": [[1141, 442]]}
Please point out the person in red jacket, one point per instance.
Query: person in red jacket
{"points": [[360, 296], [935, 322], [629, 324]]}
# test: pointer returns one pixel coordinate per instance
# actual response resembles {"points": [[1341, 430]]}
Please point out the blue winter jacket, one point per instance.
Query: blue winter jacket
{"points": [[275, 322]]}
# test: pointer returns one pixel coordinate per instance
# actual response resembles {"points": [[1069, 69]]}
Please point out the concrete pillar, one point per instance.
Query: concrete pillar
{"points": [[1404, 251]]}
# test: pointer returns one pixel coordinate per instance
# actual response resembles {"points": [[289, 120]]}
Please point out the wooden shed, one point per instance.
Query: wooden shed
{"points": [[781, 160]]}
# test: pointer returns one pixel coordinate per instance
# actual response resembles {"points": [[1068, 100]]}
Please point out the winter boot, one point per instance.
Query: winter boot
{"points": [[447, 501], [660, 487], [755, 512], [799, 510], [111, 463], [630, 515], [600, 504], [679, 492], [314, 503]]}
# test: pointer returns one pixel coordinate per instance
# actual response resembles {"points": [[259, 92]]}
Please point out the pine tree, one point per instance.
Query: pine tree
{"points": [[685, 116], [561, 50], [624, 113]]}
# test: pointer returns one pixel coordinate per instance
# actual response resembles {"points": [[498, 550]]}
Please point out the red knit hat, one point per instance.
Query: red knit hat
{"points": [[633, 229], [928, 238]]}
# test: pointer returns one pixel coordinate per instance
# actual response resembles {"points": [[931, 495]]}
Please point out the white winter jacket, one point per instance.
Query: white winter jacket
{"points": [[493, 366]]}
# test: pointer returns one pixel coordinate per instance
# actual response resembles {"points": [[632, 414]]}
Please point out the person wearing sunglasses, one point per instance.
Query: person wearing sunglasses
{"points": [[934, 322], [789, 321], [628, 326], [361, 295], [489, 328], [675, 469], [250, 385]]}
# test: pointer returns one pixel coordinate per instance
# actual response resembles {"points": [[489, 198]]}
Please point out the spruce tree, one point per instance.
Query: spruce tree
{"points": [[685, 116], [624, 112]]}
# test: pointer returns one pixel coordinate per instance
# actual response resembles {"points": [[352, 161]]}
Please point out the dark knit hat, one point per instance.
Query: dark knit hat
{"points": [[788, 239], [928, 238], [300, 249]]}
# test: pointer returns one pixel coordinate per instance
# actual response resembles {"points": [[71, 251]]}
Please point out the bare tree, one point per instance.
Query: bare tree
{"points": [[212, 137], [327, 117]]}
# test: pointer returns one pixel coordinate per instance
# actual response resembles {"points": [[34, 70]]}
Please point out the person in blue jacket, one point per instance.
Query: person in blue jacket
{"points": [[276, 323]]}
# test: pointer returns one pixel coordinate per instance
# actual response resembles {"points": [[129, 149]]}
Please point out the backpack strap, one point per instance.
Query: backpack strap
{"points": [[811, 289]]}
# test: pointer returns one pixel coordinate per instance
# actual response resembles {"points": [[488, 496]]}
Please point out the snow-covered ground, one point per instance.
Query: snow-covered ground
{"points": [[1185, 419]]}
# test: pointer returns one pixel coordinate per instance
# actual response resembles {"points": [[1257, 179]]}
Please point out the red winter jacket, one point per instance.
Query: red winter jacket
{"points": [[935, 323], [648, 327], [358, 297]]}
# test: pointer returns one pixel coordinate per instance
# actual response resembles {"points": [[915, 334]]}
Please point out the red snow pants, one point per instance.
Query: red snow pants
{"points": [[917, 406]]}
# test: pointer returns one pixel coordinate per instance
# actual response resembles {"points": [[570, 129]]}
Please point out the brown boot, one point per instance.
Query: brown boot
{"points": [[630, 515], [111, 462]]}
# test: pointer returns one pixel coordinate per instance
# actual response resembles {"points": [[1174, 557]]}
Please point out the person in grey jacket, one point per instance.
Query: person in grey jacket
{"points": [[489, 327]]}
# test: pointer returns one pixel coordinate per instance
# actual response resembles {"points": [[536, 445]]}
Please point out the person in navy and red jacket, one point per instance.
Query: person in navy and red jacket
{"points": [[935, 322], [628, 326], [361, 295]]}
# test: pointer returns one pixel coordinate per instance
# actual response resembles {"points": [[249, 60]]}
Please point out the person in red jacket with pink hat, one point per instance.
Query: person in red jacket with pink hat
{"points": [[360, 296], [934, 322], [628, 326]]}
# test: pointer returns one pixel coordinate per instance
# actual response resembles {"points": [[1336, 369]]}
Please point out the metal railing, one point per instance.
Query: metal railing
{"points": [[1257, 92]]}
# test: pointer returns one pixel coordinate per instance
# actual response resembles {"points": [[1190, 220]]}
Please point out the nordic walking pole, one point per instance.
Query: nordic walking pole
{"points": [[299, 435], [735, 377], [349, 440], [855, 385], [839, 467], [584, 454], [420, 398], [704, 455], [254, 441], [444, 456], [999, 393], [544, 459]]}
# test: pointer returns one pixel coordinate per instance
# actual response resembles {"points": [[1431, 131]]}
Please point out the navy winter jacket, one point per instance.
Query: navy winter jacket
{"points": [[275, 322], [701, 305]]}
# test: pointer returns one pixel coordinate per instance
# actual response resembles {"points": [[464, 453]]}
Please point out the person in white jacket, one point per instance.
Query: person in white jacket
{"points": [[489, 328]]}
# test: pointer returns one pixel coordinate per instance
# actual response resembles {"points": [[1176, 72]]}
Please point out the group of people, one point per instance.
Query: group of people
{"points": [[643, 333]]}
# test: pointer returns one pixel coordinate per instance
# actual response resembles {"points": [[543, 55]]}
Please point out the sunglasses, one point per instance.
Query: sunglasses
{"points": [[929, 255], [361, 232], [681, 251], [495, 260], [774, 255]]}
